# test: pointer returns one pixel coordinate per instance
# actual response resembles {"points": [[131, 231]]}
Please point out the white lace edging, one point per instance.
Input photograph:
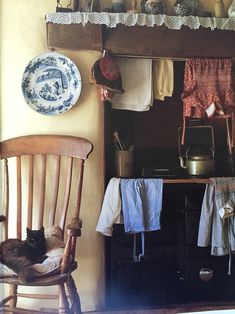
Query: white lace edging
{"points": [[130, 19]]}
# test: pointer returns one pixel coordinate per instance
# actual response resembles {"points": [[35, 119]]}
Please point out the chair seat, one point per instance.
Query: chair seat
{"points": [[41, 281]]}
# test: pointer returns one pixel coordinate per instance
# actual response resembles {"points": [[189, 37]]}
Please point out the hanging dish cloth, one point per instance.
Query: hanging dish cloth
{"points": [[141, 208], [111, 208], [137, 83], [217, 221], [207, 81], [163, 78]]}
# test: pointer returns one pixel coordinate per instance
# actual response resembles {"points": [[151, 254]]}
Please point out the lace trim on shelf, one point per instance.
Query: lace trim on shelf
{"points": [[142, 19]]}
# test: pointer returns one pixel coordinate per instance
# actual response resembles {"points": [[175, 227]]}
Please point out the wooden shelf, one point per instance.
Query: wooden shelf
{"points": [[157, 41], [164, 42], [187, 181]]}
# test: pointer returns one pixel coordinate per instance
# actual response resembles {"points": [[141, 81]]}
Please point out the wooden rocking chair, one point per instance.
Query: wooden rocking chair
{"points": [[48, 175]]}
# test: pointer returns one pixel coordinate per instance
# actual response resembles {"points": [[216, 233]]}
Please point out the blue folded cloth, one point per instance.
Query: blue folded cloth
{"points": [[141, 204]]}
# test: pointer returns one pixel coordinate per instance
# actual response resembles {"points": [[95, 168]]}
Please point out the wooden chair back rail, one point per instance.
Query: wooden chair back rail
{"points": [[42, 187], [30, 145], [68, 179], [55, 189], [79, 190], [30, 192], [23, 160], [5, 198], [18, 197]]}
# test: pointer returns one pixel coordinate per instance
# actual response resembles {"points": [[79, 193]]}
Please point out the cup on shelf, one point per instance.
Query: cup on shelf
{"points": [[219, 8], [124, 163], [231, 9], [118, 6]]}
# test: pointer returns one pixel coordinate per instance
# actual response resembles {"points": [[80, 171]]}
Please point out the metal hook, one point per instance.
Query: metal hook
{"points": [[69, 4], [60, 8], [58, 3]]}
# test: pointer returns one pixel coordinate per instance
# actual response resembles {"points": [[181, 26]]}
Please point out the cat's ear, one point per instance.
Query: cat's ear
{"points": [[28, 230], [42, 229]]}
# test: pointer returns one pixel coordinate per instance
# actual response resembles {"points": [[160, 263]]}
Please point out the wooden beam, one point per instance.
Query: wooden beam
{"points": [[163, 42], [74, 36], [157, 41]]}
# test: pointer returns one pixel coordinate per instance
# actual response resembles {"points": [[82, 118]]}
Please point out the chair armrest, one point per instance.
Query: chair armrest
{"points": [[74, 228], [2, 218], [73, 231]]}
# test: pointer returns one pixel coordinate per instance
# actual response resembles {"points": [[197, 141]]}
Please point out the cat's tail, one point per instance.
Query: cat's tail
{"points": [[27, 274], [22, 266]]}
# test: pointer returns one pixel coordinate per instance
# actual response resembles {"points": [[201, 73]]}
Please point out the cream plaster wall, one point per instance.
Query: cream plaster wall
{"points": [[23, 36]]}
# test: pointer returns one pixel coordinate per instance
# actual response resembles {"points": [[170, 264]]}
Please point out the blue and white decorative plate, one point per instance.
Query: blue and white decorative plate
{"points": [[51, 83]]}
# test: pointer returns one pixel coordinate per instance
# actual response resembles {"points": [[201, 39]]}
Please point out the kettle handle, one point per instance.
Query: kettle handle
{"points": [[212, 150]]}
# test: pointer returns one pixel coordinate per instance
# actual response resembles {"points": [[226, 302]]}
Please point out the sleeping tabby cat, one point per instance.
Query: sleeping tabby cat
{"points": [[21, 255]]}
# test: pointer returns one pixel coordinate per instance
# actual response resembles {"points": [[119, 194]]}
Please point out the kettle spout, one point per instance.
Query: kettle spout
{"points": [[182, 162]]}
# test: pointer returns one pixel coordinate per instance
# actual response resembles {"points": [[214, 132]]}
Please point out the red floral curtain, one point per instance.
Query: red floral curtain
{"points": [[207, 81]]}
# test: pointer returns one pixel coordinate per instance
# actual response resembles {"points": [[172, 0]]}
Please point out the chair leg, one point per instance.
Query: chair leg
{"points": [[13, 292], [63, 302], [73, 296]]}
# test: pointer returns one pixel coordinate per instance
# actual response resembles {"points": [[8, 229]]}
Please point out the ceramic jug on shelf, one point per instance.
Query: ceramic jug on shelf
{"points": [[119, 6], [133, 7], [155, 6], [219, 8], [185, 7], [231, 9]]}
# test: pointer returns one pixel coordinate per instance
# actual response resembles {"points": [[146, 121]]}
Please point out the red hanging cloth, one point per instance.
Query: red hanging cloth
{"points": [[207, 81]]}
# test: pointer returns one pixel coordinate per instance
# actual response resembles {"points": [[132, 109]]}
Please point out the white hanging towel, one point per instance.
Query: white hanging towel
{"points": [[111, 208], [163, 78], [137, 83]]}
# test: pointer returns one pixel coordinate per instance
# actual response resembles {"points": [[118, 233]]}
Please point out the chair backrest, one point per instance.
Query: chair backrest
{"points": [[42, 177]]}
